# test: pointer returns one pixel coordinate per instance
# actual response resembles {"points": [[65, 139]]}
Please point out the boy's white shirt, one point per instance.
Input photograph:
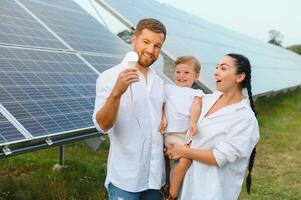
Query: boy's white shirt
{"points": [[135, 161], [178, 102], [232, 132]]}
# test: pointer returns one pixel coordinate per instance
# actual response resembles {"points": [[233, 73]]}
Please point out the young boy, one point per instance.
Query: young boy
{"points": [[181, 113]]}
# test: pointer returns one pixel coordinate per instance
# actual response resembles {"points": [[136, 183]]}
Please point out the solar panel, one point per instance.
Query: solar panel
{"points": [[102, 63], [190, 35], [65, 4], [17, 27], [77, 28], [47, 92], [51, 53], [8, 133]]}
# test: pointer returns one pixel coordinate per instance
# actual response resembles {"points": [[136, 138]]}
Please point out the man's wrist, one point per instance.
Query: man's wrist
{"points": [[115, 94]]}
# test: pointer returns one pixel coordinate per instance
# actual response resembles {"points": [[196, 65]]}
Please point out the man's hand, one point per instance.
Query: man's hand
{"points": [[111, 106], [125, 78]]}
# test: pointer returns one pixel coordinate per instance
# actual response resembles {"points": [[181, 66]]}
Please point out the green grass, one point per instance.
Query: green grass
{"points": [[277, 171], [30, 176], [276, 175]]}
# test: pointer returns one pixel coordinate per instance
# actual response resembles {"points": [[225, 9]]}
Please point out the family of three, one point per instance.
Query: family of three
{"points": [[212, 137]]}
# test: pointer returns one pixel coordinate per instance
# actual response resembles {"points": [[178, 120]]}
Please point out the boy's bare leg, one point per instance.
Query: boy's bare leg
{"points": [[178, 175], [167, 182]]}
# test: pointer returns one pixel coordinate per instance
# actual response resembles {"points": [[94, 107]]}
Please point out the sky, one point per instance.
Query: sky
{"points": [[253, 18]]}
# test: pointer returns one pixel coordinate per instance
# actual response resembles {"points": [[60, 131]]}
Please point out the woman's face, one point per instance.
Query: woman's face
{"points": [[225, 75]]}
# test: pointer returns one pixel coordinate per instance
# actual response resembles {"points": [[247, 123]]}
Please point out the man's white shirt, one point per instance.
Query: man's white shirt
{"points": [[135, 161]]}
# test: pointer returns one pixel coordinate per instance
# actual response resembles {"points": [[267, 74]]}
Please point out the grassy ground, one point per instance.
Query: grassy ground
{"points": [[277, 172], [276, 175]]}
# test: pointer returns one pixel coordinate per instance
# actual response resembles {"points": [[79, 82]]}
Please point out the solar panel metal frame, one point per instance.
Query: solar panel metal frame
{"points": [[35, 142], [106, 5], [31, 143]]}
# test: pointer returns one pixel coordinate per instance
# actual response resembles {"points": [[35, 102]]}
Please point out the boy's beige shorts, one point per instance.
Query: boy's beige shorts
{"points": [[175, 137]]}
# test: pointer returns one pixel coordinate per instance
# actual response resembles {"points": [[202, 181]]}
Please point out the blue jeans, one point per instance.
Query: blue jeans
{"points": [[116, 193]]}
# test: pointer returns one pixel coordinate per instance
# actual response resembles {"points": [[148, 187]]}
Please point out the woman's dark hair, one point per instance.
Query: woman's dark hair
{"points": [[243, 66]]}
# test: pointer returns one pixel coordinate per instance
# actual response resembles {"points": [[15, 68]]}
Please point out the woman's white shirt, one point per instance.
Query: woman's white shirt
{"points": [[231, 132], [178, 105]]}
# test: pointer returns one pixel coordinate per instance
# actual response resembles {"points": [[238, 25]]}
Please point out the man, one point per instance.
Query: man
{"points": [[128, 107]]}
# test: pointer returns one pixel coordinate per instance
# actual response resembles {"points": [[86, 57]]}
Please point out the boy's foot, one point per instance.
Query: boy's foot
{"points": [[165, 190], [171, 198]]}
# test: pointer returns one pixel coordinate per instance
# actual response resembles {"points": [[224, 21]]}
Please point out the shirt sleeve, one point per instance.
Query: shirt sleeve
{"points": [[198, 93], [239, 142], [103, 90], [167, 90]]}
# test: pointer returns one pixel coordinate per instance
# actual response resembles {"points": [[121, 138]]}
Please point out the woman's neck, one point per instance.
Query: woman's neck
{"points": [[232, 96]]}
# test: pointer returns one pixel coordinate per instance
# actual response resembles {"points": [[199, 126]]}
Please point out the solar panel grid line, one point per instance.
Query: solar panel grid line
{"points": [[15, 122], [9, 134], [38, 110], [231, 33], [81, 53], [47, 84], [107, 6], [37, 47], [160, 14], [82, 25], [224, 41], [65, 4], [17, 27], [88, 64], [201, 26], [130, 25], [60, 39], [42, 23], [181, 17]]}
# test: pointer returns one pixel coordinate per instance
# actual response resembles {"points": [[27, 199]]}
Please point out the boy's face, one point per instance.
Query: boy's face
{"points": [[147, 44], [185, 75]]}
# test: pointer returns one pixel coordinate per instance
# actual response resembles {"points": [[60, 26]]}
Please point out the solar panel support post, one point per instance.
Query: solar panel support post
{"points": [[62, 155]]}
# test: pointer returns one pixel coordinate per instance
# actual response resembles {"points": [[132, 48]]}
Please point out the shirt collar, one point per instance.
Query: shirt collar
{"points": [[243, 104]]}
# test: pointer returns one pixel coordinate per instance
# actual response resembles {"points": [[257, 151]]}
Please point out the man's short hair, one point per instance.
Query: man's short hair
{"points": [[152, 25], [189, 60]]}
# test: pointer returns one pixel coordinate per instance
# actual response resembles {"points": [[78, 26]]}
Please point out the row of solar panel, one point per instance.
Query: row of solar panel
{"points": [[78, 29], [46, 86], [188, 34]]}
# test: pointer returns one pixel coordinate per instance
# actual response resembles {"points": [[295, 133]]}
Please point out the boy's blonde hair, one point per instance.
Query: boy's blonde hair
{"points": [[190, 60]]}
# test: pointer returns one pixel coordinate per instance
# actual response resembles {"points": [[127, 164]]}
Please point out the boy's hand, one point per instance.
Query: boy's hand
{"points": [[192, 129], [163, 125]]}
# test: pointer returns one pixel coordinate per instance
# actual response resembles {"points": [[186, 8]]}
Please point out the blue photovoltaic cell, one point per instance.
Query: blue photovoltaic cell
{"points": [[19, 28], [65, 4], [47, 89], [190, 35], [77, 28], [8, 132], [102, 63], [47, 92]]}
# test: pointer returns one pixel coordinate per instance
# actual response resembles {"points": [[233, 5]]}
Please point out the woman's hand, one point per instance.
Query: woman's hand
{"points": [[176, 151]]}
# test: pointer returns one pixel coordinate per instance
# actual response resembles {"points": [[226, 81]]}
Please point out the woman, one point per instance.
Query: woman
{"points": [[227, 135]]}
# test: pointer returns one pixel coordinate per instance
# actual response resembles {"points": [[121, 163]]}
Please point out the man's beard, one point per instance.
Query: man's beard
{"points": [[146, 63]]}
